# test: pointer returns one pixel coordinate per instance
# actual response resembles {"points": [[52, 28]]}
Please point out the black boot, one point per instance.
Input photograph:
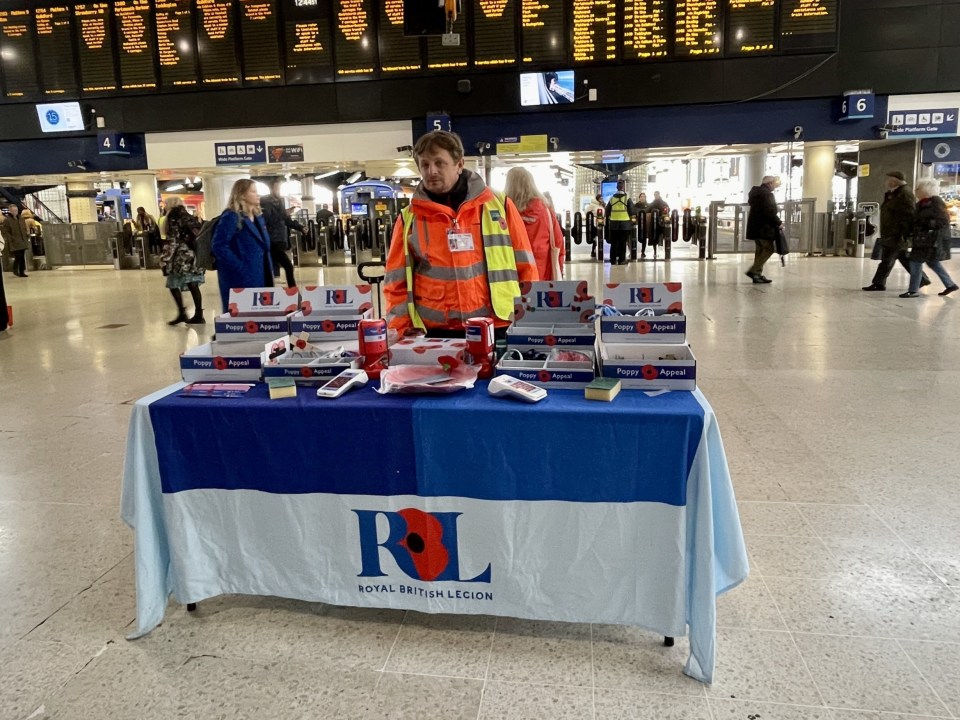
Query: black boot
{"points": [[181, 311], [181, 318], [197, 318]]}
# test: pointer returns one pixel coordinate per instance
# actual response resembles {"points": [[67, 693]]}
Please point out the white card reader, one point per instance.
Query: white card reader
{"points": [[338, 385], [511, 387]]}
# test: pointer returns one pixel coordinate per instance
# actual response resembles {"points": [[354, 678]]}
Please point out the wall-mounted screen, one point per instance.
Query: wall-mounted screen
{"points": [[60, 117], [608, 189], [547, 88]]}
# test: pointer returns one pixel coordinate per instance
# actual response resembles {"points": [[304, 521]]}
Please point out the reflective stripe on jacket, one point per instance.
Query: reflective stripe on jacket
{"points": [[618, 209], [429, 286]]}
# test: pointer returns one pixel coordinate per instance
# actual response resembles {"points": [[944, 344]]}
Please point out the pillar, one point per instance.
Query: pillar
{"points": [[143, 193], [216, 192], [82, 202], [307, 198], [752, 170], [819, 168]]}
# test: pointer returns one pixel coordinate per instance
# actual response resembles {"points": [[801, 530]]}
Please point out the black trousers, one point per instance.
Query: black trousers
{"points": [[888, 258], [20, 262], [3, 306], [282, 260], [618, 243]]}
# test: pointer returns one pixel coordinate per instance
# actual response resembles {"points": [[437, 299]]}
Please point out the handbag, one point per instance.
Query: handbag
{"points": [[555, 269]]}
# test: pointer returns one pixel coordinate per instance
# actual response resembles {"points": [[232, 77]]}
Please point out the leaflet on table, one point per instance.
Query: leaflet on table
{"points": [[203, 364], [661, 318], [428, 351], [332, 312], [215, 390], [306, 362], [257, 314], [649, 367], [551, 303]]}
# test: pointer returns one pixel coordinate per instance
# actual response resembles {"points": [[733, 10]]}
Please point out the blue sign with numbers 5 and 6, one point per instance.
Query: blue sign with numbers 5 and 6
{"points": [[439, 121], [240, 153], [857, 106]]}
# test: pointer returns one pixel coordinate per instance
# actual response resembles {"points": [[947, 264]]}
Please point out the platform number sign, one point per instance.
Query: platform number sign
{"points": [[113, 144], [439, 121], [857, 106]]}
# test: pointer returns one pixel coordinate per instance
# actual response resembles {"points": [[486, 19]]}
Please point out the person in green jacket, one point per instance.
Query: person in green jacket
{"points": [[896, 227]]}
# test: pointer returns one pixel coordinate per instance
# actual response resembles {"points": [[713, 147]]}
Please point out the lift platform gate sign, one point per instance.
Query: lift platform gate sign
{"points": [[241, 152], [932, 115]]}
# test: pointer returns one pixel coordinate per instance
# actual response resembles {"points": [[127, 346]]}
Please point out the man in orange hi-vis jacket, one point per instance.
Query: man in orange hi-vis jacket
{"points": [[459, 251]]}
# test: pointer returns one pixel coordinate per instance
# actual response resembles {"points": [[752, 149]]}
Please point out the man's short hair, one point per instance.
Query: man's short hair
{"points": [[439, 140], [621, 184], [769, 180]]}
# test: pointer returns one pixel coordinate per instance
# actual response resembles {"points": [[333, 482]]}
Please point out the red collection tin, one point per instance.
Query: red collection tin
{"points": [[372, 336]]}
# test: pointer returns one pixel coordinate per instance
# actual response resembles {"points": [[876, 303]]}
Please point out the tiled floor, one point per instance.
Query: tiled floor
{"points": [[839, 413]]}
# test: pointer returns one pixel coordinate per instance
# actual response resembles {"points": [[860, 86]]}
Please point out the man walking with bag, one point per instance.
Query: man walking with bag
{"points": [[896, 225]]}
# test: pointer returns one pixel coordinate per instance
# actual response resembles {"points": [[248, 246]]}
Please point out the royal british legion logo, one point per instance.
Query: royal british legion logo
{"points": [[424, 546]]}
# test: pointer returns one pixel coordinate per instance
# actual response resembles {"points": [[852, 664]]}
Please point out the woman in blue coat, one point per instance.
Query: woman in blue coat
{"points": [[241, 243]]}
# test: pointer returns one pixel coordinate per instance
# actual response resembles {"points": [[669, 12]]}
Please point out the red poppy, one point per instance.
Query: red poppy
{"points": [[364, 307], [328, 326], [292, 291], [585, 316], [550, 340], [300, 343], [306, 372], [612, 286], [650, 372], [544, 376], [525, 287], [420, 349], [220, 363], [643, 327], [306, 307], [290, 308], [675, 308], [251, 327], [518, 312], [673, 287], [448, 362], [582, 291], [233, 310], [363, 289]]}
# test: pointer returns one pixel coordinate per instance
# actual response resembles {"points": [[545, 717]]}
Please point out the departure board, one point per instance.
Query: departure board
{"points": [[308, 37], [135, 45], [216, 43], [55, 50], [542, 33], [93, 25], [750, 27], [175, 44], [355, 41], [16, 54], [442, 57], [260, 32], [595, 30], [697, 28], [494, 32], [398, 53], [808, 25], [645, 29]]}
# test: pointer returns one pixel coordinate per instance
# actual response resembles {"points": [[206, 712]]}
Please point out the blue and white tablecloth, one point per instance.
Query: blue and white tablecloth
{"points": [[566, 510]]}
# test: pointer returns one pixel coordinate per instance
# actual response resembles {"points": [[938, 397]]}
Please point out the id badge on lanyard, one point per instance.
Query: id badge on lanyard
{"points": [[459, 241]]}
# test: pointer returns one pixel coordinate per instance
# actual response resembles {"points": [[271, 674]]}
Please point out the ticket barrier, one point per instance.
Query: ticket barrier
{"points": [[306, 249], [331, 244], [383, 231], [360, 240]]}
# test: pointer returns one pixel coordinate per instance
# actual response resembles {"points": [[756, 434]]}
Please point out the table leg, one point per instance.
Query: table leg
{"points": [[667, 641], [191, 607]]}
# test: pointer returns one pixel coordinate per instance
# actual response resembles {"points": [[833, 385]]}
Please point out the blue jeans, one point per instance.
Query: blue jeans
{"points": [[916, 270]]}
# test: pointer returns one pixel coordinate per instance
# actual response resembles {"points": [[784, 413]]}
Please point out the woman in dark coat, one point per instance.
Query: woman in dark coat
{"points": [[180, 261], [931, 238], [241, 243]]}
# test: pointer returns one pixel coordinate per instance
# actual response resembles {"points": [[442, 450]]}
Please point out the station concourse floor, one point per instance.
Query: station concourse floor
{"points": [[839, 413]]}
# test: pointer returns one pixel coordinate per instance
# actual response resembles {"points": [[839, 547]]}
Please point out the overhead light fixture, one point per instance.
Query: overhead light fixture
{"points": [[404, 172], [356, 176], [327, 174]]}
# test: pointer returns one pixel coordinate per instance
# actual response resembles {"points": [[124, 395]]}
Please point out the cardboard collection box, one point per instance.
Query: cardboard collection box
{"points": [[204, 364], [668, 324], [577, 336], [293, 357], [256, 315], [332, 312], [427, 351], [649, 367], [547, 373]]}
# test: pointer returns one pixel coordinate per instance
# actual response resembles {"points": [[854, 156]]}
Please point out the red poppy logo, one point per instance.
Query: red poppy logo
{"points": [[364, 307], [363, 289], [518, 312], [300, 343], [525, 288], [581, 292], [673, 287], [585, 316], [233, 310], [612, 286], [608, 301], [292, 291], [649, 372], [420, 349], [290, 308], [219, 363], [646, 295], [550, 340], [306, 307], [544, 376], [328, 326], [306, 372], [251, 327], [643, 327], [675, 308]]}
